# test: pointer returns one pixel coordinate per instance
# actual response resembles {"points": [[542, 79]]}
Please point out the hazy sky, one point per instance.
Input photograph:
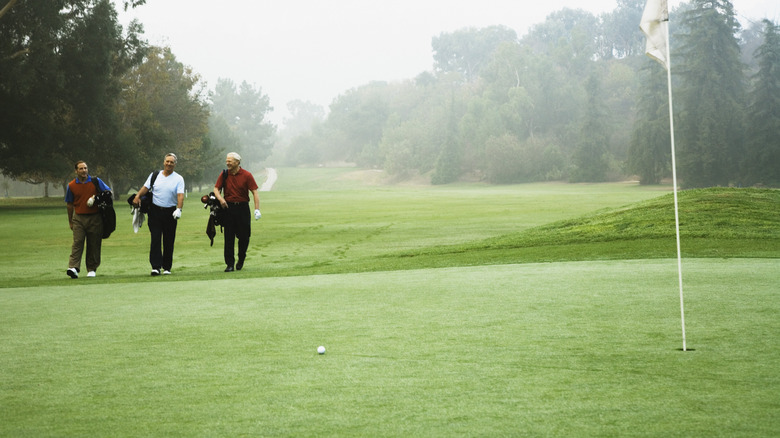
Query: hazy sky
{"points": [[315, 50]]}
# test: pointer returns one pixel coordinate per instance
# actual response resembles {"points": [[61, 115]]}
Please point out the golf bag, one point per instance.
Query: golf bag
{"points": [[104, 201], [146, 200], [216, 215]]}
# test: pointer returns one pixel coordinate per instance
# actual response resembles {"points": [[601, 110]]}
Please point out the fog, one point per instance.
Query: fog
{"points": [[313, 51]]}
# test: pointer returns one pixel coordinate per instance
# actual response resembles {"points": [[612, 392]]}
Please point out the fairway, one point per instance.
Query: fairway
{"points": [[565, 349], [460, 310]]}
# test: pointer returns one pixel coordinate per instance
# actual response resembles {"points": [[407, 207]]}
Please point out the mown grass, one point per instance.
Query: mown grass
{"points": [[553, 349], [717, 222], [437, 317], [337, 224], [341, 225]]}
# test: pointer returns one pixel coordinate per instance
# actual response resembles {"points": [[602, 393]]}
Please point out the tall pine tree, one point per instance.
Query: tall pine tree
{"points": [[591, 155], [650, 149], [762, 163], [711, 111]]}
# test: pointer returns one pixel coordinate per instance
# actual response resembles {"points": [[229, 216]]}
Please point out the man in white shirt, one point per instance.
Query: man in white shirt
{"points": [[167, 201]]}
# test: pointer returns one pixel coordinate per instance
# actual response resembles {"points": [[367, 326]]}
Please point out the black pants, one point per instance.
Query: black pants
{"points": [[237, 224], [162, 226]]}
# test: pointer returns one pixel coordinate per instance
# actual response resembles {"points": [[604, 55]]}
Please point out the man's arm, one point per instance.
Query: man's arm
{"points": [[219, 197], [257, 204], [70, 214], [139, 195], [257, 199]]}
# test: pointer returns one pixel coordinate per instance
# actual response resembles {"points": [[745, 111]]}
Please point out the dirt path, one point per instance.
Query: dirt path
{"points": [[269, 181]]}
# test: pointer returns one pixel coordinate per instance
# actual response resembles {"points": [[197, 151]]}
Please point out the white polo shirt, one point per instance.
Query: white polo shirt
{"points": [[166, 189]]}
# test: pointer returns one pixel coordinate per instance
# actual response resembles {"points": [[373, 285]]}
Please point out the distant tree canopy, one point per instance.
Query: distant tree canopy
{"points": [[574, 99], [468, 51], [60, 69], [75, 86], [244, 109], [162, 109]]}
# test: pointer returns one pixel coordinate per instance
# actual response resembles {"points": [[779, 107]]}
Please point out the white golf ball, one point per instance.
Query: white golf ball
{"points": [[321, 349]]}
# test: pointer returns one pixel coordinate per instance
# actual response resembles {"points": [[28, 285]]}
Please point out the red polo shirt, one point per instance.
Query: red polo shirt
{"points": [[237, 186]]}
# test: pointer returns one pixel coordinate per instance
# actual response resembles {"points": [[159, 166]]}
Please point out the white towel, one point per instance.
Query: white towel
{"points": [[138, 219]]}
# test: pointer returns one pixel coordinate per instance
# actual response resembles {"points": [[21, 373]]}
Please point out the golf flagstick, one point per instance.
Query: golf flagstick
{"points": [[674, 187], [655, 25]]}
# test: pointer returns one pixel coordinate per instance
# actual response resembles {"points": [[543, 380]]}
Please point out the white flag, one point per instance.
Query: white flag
{"points": [[653, 18]]}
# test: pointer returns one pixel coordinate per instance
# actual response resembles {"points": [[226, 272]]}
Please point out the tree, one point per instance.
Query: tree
{"points": [[303, 115], [569, 37], [763, 151], [467, 51], [650, 150], [591, 155], [618, 36], [245, 109], [357, 119], [60, 63], [711, 111], [163, 110]]}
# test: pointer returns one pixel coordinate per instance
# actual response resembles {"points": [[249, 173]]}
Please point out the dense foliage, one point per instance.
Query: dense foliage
{"points": [[75, 85], [573, 99]]}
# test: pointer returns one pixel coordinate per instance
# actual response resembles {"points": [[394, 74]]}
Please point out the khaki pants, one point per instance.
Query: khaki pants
{"points": [[87, 227]]}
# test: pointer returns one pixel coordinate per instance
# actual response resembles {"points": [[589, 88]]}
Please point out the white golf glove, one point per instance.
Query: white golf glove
{"points": [[91, 201], [177, 213], [257, 214]]}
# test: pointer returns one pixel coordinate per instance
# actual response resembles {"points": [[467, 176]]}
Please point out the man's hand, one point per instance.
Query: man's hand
{"points": [[257, 214], [177, 213]]}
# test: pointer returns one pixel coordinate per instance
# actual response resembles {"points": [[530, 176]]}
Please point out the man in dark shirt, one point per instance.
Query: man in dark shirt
{"points": [[236, 184]]}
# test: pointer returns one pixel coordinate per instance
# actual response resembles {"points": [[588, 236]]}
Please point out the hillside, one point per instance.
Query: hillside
{"points": [[716, 222]]}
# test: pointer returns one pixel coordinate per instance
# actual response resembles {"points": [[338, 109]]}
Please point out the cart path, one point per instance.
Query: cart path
{"points": [[270, 180]]}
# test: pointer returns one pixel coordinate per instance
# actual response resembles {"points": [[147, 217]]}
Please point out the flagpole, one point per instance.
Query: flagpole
{"points": [[674, 181]]}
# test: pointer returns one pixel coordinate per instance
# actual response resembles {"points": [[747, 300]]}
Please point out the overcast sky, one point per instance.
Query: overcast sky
{"points": [[314, 50]]}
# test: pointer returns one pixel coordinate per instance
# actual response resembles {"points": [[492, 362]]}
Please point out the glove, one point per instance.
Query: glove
{"points": [[177, 213], [257, 214], [91, 201]]}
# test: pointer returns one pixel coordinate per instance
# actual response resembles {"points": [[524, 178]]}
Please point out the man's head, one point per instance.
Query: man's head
{"points": [[170, 163], [81, 170], [233, 161]]}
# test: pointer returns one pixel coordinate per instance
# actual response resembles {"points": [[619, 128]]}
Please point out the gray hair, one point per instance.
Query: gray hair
{"points": [[175, 158], [235, 156]]}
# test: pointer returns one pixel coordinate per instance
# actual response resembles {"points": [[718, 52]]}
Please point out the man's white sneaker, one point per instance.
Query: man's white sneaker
{"points": [[91, 274], [155, 272], [166, 272], [72, 273]]}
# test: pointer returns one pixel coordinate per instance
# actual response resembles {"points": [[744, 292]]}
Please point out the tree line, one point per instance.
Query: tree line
{"points": [[75, 85], [574, 99]]}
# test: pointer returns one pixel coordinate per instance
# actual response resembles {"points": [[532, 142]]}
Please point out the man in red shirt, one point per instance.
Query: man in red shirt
{"points": [[84, 220], [237, 184]]}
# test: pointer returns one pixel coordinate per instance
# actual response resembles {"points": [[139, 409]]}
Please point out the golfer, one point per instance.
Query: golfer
{"points": [[167, 202], [84, 220], [237, 183]]}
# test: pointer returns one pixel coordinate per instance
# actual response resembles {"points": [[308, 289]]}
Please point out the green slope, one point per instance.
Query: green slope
{"points": [[716, 222]]}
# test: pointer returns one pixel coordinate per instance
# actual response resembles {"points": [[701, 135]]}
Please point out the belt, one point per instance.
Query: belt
{"points": [[238, 203], [163, 208]]}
